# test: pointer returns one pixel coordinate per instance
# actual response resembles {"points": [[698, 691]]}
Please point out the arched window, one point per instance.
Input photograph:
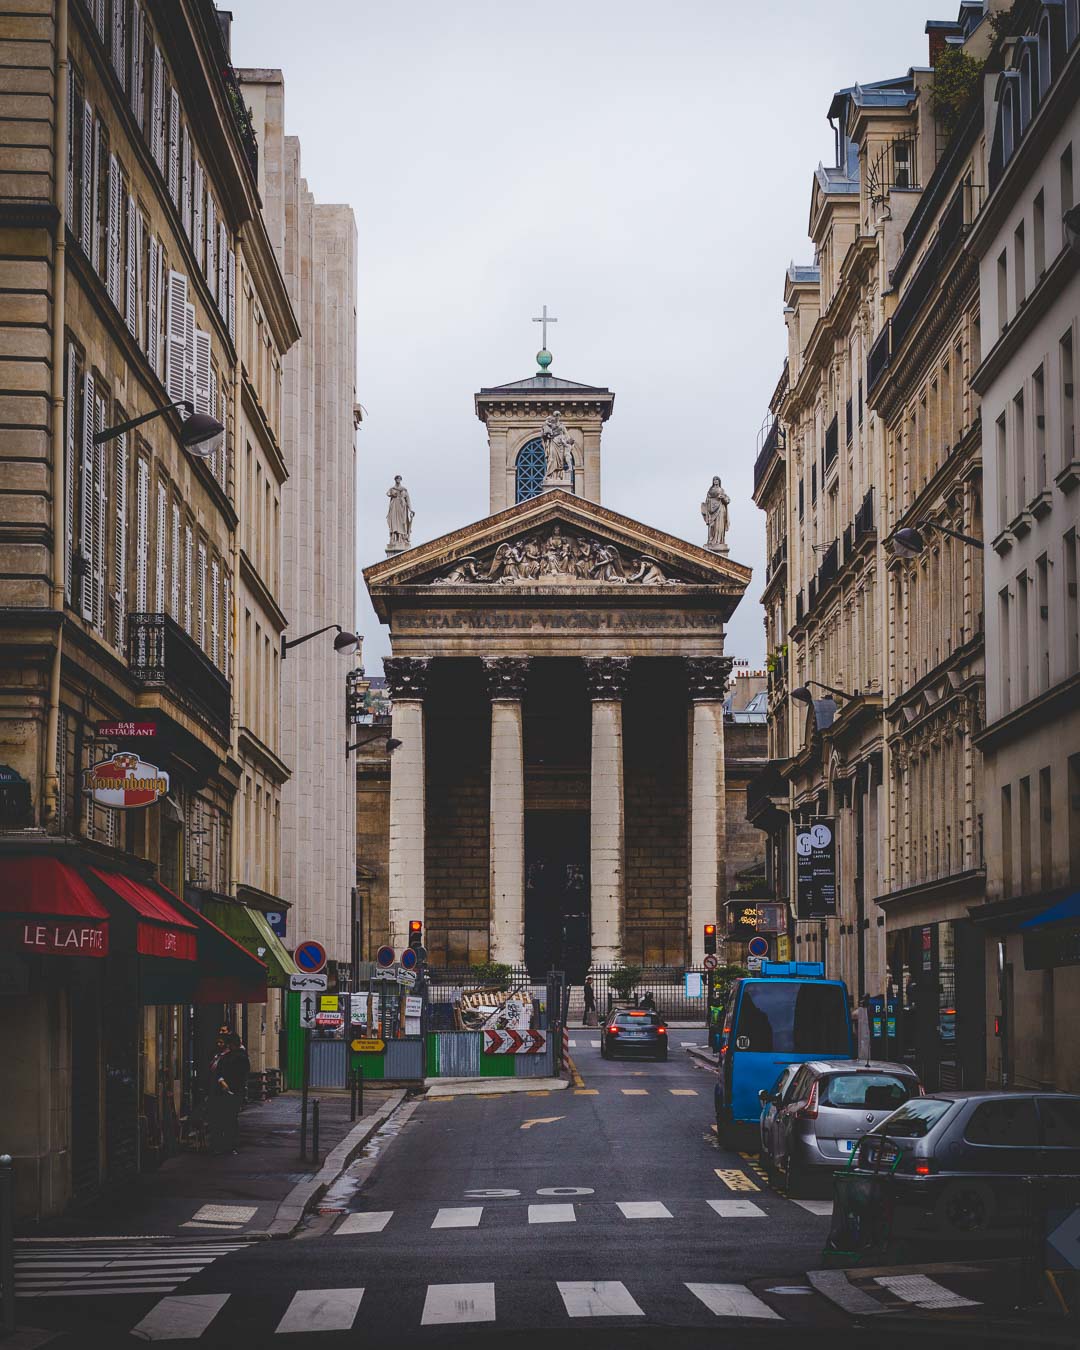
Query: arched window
{"points": [[1026, 87], [1045, 72], [1007, 114], [532, 470], [1072, 21]]}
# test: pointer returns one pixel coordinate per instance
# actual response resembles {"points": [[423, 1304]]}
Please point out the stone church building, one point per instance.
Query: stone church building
{"points": [[557, 790]]}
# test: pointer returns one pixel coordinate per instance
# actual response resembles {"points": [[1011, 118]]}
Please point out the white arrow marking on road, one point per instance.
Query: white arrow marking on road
{"points": [[541, 1120]]}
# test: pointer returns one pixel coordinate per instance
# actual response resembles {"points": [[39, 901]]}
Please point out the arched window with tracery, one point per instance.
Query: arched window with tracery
{"points": [[532, 470]]}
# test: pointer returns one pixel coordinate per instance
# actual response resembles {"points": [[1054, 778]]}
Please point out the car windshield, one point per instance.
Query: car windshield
{"points": [[916, 1118], [633, 1019], [795, 1016], [870, 1091]]}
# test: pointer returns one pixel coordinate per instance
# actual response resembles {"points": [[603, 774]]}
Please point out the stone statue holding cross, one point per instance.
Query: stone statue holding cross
{"points": [[558, 447]]}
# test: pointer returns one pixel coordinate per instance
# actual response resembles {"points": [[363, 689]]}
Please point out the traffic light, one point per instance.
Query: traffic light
{"points": [[416, 933], [710, 939]]}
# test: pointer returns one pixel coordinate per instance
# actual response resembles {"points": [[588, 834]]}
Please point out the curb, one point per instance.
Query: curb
{"points": [[702, 1055], [290, 1213], [473, 1087]]}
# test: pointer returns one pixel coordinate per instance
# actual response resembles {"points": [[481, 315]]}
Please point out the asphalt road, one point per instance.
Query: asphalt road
{"points": [[582, 1215]]}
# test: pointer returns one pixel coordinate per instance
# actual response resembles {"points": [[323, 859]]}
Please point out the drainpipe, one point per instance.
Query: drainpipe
{"points": [[50, 803], [234, 550]]}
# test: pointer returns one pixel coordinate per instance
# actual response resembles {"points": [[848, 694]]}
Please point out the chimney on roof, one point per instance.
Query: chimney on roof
{"points": [[225, 20], [939, 31]]}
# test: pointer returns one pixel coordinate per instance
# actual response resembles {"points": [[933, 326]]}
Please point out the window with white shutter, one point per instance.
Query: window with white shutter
{"points": [[99, 17], [69, 183], [174, 146], [70, 398], [86, 501], [131, 266], [215, 599], [119, 559], [200, 595], [142, 532], [112, 233], [174, 566], [210, 266], [160, 543], [118, 37], [188, 570], [135, 83], [185, 178], [157, 108], [153, 305], [202, 371], [100, 211], [197, 212], [189, 354], [232, 295], [99, 518], [227, 623], [176, 304], [86, 224], [222, 291]]}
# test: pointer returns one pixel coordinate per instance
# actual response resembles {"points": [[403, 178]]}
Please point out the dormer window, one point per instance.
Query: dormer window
{"points": [[1072, 21], [1026, 85], [1008, 114], [1045, 73]]}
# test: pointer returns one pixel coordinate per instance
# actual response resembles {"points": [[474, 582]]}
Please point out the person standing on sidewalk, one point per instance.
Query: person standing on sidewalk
{"points": [[229, 1071], [590, 1003]]}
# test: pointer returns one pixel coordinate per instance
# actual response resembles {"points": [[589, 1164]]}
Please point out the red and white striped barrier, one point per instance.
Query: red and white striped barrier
{"points": [[514, 1042]]}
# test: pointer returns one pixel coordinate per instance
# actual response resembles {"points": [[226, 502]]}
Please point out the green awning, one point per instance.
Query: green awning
{"points": [[250, 928]]}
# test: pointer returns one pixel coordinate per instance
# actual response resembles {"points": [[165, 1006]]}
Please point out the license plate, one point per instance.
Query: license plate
{"points": [[635, 1035], [848, 1145]]}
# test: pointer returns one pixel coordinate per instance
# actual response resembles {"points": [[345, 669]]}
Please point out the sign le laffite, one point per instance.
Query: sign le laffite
{"points": [[125, 781], [58, 937], [815, 852]]}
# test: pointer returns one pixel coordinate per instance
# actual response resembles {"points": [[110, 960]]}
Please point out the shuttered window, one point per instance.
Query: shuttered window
{"points": [[99, 517], [232, 294], [215, 600], [160, 546], [133, 253], [200, 599], [185, 179], [112, 232], [173, 148], [71, 387], [174, 564], [69, 183], [175, 335], [202, 371], [86, 501], [227, 626], [188, 581], [153, 304], [142, 532], [135, 84], [119, 558], [210, 265], [198, 190], [157, 108], [222, 290], [86, 224], [118, 42]]}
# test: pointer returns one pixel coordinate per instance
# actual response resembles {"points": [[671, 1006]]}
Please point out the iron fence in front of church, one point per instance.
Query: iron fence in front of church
{"points": [[666, 984]]}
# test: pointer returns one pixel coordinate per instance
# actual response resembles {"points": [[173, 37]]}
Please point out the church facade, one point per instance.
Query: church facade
{"points": [[558, 779]]}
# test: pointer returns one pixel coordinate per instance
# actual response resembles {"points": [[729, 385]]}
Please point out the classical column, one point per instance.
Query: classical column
{"points": [[506, 677], [606, 678], [707, 678], [406, 679]]}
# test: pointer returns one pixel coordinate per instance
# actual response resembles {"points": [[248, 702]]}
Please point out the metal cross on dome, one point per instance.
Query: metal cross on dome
{"points": [[544, 320]]}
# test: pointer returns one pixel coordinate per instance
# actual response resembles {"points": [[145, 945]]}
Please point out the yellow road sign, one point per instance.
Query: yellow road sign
{"points": [[368, 1045]]}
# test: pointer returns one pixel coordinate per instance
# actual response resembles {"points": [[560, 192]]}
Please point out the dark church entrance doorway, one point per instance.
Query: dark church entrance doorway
{"points": [[557, 926]]}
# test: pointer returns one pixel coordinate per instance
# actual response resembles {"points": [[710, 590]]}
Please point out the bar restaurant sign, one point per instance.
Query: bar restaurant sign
{"points": [[126, 781], [815, 871]]}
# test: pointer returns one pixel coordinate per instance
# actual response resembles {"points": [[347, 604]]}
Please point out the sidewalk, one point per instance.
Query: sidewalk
{"points": [[196, 1195]]}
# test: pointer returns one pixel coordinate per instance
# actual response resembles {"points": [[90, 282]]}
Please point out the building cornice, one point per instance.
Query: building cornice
{"points": [[252, 748], [1035, 305], [1037, 712], [252, 576], [967, 885], [257, 417]]}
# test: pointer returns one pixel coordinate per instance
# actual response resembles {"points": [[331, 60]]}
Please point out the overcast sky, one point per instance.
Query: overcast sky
{"points": [[644, 169]]}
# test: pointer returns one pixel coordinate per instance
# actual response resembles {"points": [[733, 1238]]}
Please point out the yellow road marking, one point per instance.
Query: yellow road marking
{"points": [[735, 1179], [487, 1096], [575, 1075], [635, 1092], [543, 1093], [586, 1092], [541, 1120], [683, 1092]]}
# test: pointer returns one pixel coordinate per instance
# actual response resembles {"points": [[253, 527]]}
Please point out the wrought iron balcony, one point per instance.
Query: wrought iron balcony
{"points": [[832, 441], [864, 517], [769, 447], [830, 565], [877, 360], [162, 655]]}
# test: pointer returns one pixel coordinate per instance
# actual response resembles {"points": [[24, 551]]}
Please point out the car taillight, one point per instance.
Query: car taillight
{"points": [[808, 1110], [613, 1031], [923, 1169], [661, 1031]]}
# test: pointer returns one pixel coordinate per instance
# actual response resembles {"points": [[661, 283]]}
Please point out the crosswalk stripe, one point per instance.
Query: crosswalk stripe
{"points": [[595, 1045], [572, 1044], [732, 1300], [458, 1303], [464, 1216], [737, 1209], [552, 1214], [644, 1209], [96, 1269], [372, 1221], [837, 1288], [598, 1298], [924, 1292], [180, 1317], [820, 1207], [635, 1092], [586, 1092], [321, 1310], [683, 1092], [79, 1291]]}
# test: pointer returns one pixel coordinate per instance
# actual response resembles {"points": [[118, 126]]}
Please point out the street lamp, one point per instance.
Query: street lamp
{"points": [[200, 434], [348, 644], [908, 541], [392, 742], [803, 694]]}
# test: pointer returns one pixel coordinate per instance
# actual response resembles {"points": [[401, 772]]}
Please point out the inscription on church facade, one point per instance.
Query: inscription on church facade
{"points": [[615, 621]]}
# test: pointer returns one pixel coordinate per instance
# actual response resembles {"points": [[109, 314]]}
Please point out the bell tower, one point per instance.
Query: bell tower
{"points": [[540, 421]]}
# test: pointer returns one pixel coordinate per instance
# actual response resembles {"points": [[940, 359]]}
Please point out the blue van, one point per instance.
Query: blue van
{"points": [[788, 1014]]}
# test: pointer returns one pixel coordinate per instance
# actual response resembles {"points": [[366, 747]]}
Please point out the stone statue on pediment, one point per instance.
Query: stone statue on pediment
{"points": [[399, 517], [714, 512]]}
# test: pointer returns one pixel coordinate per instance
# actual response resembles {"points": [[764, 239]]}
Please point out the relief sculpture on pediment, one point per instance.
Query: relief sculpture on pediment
{"points": [[552, 556]]}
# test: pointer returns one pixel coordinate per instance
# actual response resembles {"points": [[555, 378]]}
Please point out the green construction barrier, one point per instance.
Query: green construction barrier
{"points": [[496, 1066]]}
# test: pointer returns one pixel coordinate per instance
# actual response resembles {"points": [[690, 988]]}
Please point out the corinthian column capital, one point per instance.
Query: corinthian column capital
{"points": [[506, 676], [406, 676], [606, 676], [707, 676]]}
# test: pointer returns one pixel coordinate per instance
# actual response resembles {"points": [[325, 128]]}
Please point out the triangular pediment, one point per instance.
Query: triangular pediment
{"points": [[556, 543]]}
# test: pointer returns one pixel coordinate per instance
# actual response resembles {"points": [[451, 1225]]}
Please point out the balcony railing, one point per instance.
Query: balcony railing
{"points": [[832, 441], [895, 166], [830, 565], [864, 517], [768, 449], [778, 559], [877, 360], [799, 607], [162, 655]]}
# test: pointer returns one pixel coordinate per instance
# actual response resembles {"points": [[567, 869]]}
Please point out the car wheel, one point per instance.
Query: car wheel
{"points": [[965, 1207]]}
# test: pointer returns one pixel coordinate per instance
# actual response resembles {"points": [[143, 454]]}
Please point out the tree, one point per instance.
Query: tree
{"points": [[956, 82], [624, 980]]}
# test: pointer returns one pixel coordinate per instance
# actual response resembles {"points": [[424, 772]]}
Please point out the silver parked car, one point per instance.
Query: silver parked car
{"points": [[825, 1111], [771, 1102]]}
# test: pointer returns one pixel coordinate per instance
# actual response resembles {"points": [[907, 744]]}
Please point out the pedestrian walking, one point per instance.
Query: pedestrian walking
{"points": [[229, 1071], [648, 1001], [590, 1002]]}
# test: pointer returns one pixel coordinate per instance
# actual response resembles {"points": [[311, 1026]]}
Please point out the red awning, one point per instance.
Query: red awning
{"points": [[57, 913], [228, 973], [162, 929]]}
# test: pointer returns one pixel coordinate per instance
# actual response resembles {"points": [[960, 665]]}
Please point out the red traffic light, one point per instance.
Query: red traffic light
{"points": [[416, 929], [710, 930], [415, 926], [710, 939]]}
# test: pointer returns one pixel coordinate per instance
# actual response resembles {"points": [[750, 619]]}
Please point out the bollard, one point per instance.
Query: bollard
{"points": [[360, 1087], [7, 1242], [315, 1131], [352, 1095]]}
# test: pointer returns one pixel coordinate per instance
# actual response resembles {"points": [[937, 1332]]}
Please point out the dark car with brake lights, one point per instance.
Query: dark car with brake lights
{"points": [[633, 1033]]}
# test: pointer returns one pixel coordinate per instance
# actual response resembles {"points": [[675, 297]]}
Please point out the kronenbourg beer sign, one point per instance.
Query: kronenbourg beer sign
{"points": [[126, 781]]}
